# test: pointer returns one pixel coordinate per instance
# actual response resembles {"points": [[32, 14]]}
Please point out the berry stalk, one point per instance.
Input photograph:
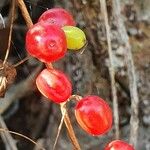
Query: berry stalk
{"points": [[25, 13], [69, 127]]}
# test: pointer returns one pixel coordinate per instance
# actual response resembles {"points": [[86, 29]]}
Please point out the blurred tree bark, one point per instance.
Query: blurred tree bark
{"points": [[143, 9]]}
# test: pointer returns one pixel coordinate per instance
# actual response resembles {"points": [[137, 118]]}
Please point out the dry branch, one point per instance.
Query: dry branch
{"points": [[25, 13], [69, 127], [134, 121], [111, 69], [10, 143], [59, 128], [10, 31], [23, 136]]}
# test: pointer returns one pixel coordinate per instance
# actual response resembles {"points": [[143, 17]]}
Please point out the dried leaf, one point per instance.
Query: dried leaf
{"points": [[7, 76]]}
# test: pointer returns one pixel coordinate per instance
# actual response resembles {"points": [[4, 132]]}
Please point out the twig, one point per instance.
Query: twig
{"points": [[111, 69], [123, 84], [25, 13], [70, 128], [10, 31], [49, 65], [77, 98], [134, 120], [21, 62], [7, 138], [23, 136], [59, 128]]}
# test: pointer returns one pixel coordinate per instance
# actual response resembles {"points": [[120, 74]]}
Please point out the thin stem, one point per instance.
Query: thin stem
{"points": [[59, 128], [111, 69], [76, 97], [10, 31], [134, 120], [25, 13], [21, 62], [49, 65], [23, 136], [83, 48], [70, 128], [7, 138]]}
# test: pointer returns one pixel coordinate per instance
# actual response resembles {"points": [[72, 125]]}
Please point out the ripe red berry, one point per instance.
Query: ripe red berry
{"points": [[54, 85], [46, 42], [57, 16], [118, 145], [94, 115]]}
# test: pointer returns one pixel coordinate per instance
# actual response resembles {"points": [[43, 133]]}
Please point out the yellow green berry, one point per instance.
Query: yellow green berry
{"points": [[76, 38]]}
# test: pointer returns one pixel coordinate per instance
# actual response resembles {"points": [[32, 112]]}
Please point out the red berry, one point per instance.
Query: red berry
{"points": [[58, 16], [54, 85], [118, 145], [93, 115], [46, 42]]}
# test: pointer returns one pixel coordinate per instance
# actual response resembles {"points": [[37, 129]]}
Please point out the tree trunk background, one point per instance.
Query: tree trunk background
{"points": [[34, 116]]}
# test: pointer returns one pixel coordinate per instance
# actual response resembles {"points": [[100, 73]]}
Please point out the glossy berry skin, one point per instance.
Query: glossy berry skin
{"points": [[57, 16], [76, 38], [54, 85], [119, 145], [93, 115], [46, 42]]}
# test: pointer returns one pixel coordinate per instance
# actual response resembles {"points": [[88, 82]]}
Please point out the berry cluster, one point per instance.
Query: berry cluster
{"points": [[48, 41]]}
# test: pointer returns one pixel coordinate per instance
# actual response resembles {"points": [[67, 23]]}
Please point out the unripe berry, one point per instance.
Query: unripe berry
{"points": [[76, 38], [54, 85], [57, 16], [119, 145], [94, 115], [46, 42]]}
